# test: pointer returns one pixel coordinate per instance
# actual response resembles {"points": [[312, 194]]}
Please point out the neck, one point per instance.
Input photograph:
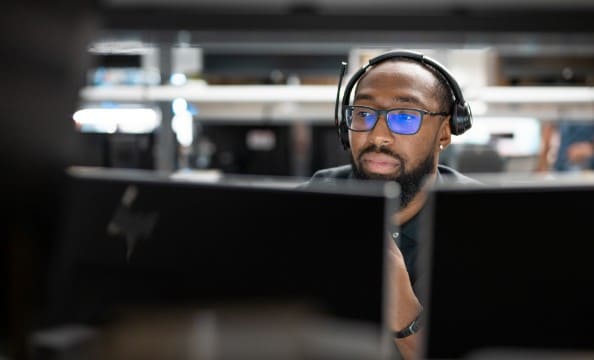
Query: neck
{"points": [[416, 204]]}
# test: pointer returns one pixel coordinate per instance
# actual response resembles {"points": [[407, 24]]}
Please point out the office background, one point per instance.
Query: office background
{"points": [[249, 87]]}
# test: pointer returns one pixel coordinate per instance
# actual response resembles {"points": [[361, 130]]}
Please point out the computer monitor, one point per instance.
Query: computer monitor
{"points": [[510, 268], [136, 239]]}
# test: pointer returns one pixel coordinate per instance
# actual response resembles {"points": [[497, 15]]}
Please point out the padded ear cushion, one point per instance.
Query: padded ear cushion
{"points": [[461, 119], [344, 135]]}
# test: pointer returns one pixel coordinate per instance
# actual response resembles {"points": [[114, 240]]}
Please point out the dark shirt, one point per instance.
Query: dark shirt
{"points": [[408, 234], [570, 133]]}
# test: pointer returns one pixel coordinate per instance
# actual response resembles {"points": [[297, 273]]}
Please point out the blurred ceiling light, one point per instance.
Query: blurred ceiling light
{"points": [[111, 120], [178, 79], [182, 122], [183, 127], [179, 106]]}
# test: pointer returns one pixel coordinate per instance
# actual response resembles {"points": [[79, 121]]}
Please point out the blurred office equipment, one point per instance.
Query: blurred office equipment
{"points": [[473, 158], [137, 243], [495, 144], [509, 269], [249, 149]]}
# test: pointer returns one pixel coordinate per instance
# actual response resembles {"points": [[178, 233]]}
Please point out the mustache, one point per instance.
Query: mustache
{"points": [[378, 149]]}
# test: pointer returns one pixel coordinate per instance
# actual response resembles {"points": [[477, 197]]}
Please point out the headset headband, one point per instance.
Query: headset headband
{"points": [[461, 116]]}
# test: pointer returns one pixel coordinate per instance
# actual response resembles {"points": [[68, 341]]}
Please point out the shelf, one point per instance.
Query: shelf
{"points": [[214, 93], [316, 102]]}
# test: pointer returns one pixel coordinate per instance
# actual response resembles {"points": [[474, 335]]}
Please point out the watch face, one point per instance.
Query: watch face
{"points": [[415, 326]]}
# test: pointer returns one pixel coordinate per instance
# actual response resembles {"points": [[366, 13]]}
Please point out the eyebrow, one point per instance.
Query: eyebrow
{"points": [[406, 99]]}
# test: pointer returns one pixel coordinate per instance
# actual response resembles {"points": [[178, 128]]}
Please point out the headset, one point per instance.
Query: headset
{"points": [[461, 116]]}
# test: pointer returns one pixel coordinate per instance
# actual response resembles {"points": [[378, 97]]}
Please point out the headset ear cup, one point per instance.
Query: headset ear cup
{"points": [[461, 119], [343, 133]]}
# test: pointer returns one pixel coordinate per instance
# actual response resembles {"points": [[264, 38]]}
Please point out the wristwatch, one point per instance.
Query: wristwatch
{"points": [[412, 328]]}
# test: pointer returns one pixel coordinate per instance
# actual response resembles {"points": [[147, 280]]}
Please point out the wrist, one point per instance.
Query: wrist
{"points": [[412, 328]]}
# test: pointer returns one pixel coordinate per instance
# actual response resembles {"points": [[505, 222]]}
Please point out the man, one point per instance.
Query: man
{"points": [[566, 146], [403, 113]]}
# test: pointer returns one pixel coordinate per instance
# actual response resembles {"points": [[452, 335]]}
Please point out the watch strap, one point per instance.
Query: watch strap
{"points": [[410, 329]]}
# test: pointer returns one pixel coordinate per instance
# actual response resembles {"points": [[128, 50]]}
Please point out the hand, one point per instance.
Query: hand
{"points": [[403, 305], [580, 151]]}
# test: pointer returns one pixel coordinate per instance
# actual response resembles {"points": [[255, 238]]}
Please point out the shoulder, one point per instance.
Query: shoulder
{"points": [[338, 172], [330, 174], [451, 174]]}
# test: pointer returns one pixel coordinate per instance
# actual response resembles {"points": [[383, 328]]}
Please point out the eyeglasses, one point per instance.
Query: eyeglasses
{"points": [[399, 120]]}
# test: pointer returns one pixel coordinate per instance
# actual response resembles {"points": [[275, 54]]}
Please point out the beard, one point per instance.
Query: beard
{"points": [[410, 180]]}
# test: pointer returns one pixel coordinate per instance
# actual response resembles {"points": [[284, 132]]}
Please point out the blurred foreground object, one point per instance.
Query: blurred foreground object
{"points": [[43, 59]]}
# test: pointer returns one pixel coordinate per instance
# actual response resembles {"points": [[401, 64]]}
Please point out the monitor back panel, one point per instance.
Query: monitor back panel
{"points": [[510, 267], [156, 242]]}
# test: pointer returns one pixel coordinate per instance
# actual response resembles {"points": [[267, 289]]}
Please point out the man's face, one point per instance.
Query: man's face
{"points": [[383, 155]]}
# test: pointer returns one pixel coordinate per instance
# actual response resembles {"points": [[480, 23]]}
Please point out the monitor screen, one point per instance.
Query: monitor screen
{"points": [[510, 267]]}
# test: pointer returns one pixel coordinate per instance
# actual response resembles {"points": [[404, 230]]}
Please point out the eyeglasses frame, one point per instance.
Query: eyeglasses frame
{"points": [[384, 112]]}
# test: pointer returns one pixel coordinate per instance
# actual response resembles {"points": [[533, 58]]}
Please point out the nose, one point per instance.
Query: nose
{"points": [[381, 135]]}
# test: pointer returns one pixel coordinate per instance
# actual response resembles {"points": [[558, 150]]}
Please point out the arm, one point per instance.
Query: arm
{"points": [[403, 303], [548, 131]]}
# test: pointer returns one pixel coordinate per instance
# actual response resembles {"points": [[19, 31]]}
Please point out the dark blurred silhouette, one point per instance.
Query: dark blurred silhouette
{"points": [[43, 61]]}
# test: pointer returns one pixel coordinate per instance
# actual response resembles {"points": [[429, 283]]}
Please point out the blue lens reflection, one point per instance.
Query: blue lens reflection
{"points": [[404, 122]]}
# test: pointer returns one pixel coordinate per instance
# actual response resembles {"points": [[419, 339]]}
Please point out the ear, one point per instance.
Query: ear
{"points": [[445, 133]]}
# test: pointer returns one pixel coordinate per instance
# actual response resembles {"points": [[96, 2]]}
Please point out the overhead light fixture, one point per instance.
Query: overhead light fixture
{"points": [[119, 119]]}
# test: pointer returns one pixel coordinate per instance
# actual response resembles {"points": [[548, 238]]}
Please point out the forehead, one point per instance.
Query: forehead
{"points": [[399, 76]]}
